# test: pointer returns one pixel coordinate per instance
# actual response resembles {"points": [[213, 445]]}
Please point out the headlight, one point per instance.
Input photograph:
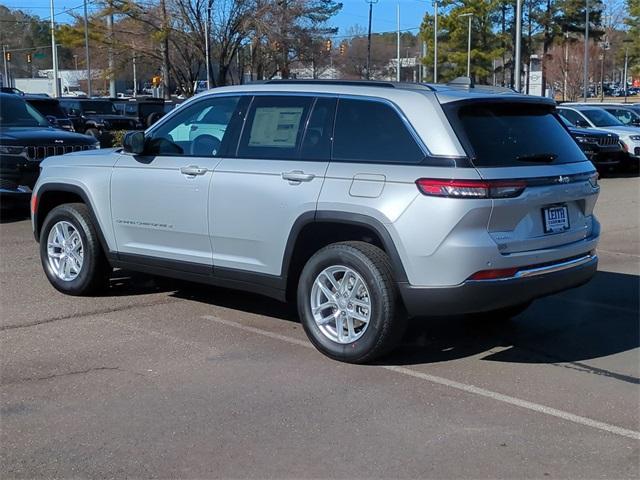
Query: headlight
{"points": [[582, 139], [96, 145], [635, 138], [593, 179], [11, 150]]}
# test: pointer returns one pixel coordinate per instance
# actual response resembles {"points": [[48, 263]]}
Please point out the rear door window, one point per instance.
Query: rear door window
{"points": [[372, 131], [507, 135], [274, 127]]}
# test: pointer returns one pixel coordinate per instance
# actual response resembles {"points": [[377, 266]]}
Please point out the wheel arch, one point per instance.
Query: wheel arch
{"points": [[51, 195], [308, 235]]}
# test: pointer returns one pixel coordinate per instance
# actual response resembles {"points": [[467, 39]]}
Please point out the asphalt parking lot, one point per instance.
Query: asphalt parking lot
{"points": [[158, 378]]}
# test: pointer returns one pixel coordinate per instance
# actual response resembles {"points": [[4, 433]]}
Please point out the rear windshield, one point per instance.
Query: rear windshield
{"points": [[506, 135]]}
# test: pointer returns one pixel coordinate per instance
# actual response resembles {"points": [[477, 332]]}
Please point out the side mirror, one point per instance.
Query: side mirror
{"points": [[52, 120], [582, 123], [134, 142]]}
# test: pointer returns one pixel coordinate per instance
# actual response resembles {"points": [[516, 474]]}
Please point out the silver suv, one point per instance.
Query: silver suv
{"points": [[367, 203]]}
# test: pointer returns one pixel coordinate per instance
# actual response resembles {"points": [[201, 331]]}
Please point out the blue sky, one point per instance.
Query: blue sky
{"points": [[354, 12]]}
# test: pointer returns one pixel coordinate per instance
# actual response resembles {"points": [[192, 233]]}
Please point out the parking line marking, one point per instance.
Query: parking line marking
{"points": [[536, 407]]}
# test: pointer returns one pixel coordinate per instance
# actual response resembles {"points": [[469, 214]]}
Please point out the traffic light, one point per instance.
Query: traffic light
{"points": [[7, 56], [343, 49], [327, 45], [29, 58]]}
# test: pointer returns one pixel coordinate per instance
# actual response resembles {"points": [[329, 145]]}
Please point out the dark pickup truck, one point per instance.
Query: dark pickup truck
{"points": [[98, 118]]}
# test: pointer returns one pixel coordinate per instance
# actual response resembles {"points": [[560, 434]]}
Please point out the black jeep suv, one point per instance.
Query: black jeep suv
{"points": [[97, 117], [26, 138], [51, 109]]}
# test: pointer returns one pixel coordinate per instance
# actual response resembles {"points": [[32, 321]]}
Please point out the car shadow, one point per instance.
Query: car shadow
{"points": [[596, 320]]}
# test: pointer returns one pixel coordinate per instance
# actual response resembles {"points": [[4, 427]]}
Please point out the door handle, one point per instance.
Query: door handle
{"points": [[297, 176], [193, 170]]}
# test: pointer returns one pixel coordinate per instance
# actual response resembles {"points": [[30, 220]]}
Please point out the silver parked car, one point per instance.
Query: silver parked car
{"points": [[365, 202]]}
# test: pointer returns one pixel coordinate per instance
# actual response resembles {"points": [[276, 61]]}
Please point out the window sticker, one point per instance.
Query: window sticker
{"points": [[275, 127]]}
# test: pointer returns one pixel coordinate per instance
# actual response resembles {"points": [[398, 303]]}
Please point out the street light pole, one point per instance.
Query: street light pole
{"points": [[370, 2], [469, 16], [435, 41], [518, 59], [586, 53], [54, 53]]}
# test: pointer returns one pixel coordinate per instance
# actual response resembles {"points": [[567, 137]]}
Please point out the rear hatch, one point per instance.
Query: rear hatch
{"points": [[520, 142]]}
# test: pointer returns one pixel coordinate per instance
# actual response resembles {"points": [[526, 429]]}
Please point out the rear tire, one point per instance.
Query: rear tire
{"points": [[356, 317], [70, 251]]}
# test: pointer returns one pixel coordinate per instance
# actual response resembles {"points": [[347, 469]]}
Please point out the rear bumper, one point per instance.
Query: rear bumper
{"points": [[487, 295]]}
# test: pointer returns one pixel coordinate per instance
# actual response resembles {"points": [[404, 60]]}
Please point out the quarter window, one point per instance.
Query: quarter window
{"points": [[274, 127], [370, 131], [200, 130]]}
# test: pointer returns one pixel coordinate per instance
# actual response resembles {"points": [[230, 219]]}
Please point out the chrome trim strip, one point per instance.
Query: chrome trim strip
{"points": [[558, 267]]}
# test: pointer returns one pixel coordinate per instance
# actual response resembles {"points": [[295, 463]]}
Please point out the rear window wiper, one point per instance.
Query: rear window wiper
{"points": [[537, 157]]}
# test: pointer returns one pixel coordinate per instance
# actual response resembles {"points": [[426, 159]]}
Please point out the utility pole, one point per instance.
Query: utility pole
{"points": [[435, 41], [54, 53], [86, 48], [626, 41], [585, 75], [370, 2], [518, 55], [112, 78], [423, 67], [206, 47], [398, 41], [565, 76], [164, 48]]}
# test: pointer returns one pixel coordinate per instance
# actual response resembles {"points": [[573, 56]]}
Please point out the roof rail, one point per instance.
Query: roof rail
{"points": [[350, 83], [462, 82], [315, 81]]}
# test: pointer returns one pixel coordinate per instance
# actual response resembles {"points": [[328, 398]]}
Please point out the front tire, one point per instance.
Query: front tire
{"points": [[347, 302], [70, 251]]}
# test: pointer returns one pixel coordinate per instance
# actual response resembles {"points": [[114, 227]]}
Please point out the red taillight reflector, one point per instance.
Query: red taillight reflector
{"points": [[436, 187], [34, 203], [494, 274]]}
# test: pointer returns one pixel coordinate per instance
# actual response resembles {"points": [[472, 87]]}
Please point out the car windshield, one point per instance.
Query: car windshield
{"points": [[15, 112], [502, 135], [601, 118], [47, 107], [98, 107]]}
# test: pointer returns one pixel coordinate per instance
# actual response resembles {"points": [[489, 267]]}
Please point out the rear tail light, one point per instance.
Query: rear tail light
{"points": [[471, 188]]}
